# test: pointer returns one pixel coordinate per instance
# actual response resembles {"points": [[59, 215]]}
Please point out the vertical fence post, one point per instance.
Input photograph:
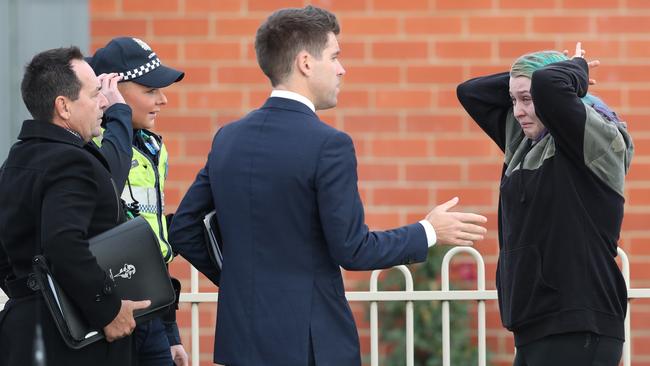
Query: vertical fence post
{"points": [[627, 346], [194, 288], [374, 322], [374, 319], [480, 274]]}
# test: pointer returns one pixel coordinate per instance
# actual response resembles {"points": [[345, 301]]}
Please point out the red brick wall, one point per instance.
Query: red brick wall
{"points": [[416, 147]]}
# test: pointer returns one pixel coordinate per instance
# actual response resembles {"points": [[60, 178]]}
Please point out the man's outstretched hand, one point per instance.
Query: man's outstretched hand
{"points": [[456, 228]]}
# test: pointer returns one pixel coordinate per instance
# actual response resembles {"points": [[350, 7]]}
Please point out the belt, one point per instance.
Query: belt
{"points": [[22, 287]]}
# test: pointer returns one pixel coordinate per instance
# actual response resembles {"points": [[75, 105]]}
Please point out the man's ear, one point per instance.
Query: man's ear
{"points": [[62, 108], [304, 63]]}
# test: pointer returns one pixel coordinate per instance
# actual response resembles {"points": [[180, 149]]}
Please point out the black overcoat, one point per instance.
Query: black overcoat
{"points": [[57, 191]]}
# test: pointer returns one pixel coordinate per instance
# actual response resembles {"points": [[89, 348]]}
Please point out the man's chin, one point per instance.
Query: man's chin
{"points": [[328, 105]]}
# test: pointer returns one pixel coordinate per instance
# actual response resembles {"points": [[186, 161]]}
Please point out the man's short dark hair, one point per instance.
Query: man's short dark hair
{"points": [[49, 75], [287, 32]]}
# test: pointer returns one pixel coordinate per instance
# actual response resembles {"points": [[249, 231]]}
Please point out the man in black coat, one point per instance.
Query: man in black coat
{"points": [[56, 192]]}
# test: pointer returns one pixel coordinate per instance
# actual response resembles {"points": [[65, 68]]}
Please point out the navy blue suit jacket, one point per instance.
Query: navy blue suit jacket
{"points": [[284, 185]]}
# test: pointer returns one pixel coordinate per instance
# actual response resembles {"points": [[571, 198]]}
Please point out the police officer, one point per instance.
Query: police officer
{"points": [[143, 77]]}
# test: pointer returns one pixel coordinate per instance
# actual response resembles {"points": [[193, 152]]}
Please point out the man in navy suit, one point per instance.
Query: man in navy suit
{"points": [[284, 186]]}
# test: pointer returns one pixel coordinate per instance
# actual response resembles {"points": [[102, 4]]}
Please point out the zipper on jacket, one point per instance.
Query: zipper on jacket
{"points": [[522, 186], [158, 205]]}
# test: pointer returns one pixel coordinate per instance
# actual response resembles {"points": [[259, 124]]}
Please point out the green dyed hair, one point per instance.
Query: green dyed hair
{"points": [[529, 63]]}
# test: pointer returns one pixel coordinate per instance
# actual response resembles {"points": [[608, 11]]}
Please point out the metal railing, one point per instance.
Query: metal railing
{"points": [[445, 295]]}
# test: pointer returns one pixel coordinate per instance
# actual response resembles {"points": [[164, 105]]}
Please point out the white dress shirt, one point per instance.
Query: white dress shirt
{"points": [[294, 96]]}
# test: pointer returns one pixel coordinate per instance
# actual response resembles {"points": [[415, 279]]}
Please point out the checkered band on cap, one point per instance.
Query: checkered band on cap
{"points": [[139, 71]]}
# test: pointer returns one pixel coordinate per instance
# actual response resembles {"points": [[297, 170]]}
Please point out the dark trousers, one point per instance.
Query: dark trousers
{"points": [[152, 344], [571, 349]]}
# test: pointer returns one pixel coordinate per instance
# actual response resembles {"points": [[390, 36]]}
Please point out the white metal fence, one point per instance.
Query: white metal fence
{"points": [[373, 296]]}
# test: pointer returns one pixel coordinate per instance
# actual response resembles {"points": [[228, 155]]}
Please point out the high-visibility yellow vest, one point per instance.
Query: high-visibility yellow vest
{"points": [[145, 184]]}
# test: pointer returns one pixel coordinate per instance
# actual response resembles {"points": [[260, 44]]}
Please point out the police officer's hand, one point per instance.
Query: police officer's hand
{"points": [[179, 355], [109, 88], [123, 324]]}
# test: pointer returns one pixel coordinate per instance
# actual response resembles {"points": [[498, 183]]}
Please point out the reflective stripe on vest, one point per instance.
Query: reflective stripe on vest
{"points": [[147, 198]]}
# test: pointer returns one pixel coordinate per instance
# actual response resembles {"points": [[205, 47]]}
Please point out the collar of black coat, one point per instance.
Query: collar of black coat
{"points": [[289, 104], [33, 129], [46, 130]]}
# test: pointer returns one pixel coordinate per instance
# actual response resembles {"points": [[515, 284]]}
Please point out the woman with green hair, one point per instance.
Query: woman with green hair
{"points": [[560, 208]]}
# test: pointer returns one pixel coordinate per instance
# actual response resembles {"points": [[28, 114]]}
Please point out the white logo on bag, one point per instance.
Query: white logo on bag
{"points": [[126, 272]]}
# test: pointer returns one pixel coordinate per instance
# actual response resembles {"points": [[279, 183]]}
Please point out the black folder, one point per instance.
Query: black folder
{"points": [[213, 238], [130, 255]]}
